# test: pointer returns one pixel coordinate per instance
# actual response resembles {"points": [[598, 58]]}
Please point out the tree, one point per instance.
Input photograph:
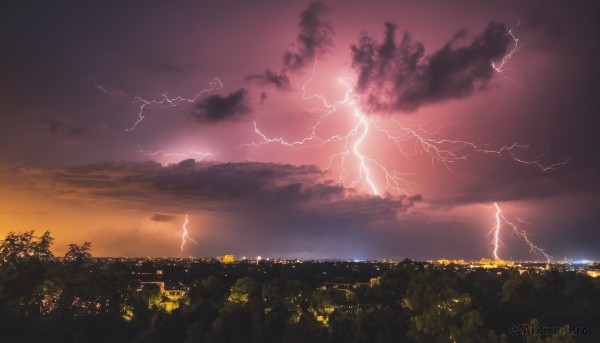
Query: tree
{"points": [[79, 253], [243, 290], [41, 247], [17, 247], [282, 294], [380, 325], [306, 330], [25, 281], [210, 288], [234, 324]]}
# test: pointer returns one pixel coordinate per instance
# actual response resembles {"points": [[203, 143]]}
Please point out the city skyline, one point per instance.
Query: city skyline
{"points": [[309, 130]]}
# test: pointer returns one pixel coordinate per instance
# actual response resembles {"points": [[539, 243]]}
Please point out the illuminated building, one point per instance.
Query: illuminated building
{"points": [[168, 299], [227, 259], [374, 281], [494, 263]]}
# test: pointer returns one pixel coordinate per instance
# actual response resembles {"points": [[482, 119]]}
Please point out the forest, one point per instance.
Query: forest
{"points": [[81, 298]]}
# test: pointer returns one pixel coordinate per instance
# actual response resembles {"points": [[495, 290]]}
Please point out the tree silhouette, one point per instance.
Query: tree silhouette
{"points": [[75, 300], [17, 247], [79, 253]]}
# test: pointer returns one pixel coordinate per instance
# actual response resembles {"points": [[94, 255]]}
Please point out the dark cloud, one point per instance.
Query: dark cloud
{"points": [[218, 108], [247, 208], [194, 186], [517, 184], [270, 78], [315, 38], [400, 77], [162, 217], [263, 97], [69, 131], [366, 207]]}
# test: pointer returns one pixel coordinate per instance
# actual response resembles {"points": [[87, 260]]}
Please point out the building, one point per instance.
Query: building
{"points": [[168, 299], [227, 259]]}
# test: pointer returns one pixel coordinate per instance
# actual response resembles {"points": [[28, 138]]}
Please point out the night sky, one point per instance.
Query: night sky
{"points": [[342, 129]]}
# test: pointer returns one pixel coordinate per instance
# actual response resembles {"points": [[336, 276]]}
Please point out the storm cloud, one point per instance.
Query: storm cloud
{"points": [[399, 77], [192, 186], [270, 78], [218, 108], [162, 217], [546, 98], [294, 209], [315, 38]]}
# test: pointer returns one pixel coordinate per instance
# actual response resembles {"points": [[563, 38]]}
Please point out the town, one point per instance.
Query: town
{"points": [[79, 297]]}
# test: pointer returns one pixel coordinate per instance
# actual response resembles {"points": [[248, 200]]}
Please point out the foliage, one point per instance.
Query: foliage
{"points": [[80, 298], [19, 247], [79, 253]]}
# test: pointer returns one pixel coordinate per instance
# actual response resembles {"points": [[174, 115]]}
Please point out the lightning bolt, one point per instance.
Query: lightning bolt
{"points": [[368, 170], [500, 218], [447, 152], [187, 153], [497, 231], [509, 54], [363, 170], [162, 100], [516, 47], [185, 235], [165, 102]]}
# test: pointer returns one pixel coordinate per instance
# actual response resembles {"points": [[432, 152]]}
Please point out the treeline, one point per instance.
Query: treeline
{"points": [[78, 298]]}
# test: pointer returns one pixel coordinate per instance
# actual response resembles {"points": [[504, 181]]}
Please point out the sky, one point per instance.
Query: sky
{"points": [[296, 129]]}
